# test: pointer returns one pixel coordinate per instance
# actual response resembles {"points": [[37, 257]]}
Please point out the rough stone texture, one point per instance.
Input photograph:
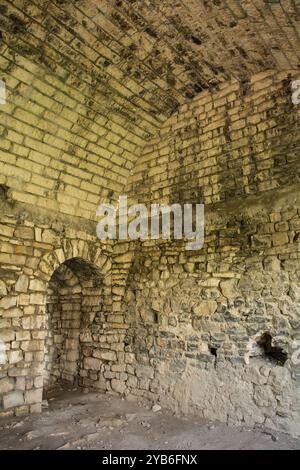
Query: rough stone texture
{"points": [[13, 399], [217, 330], [169, 102], [55, 323], [227, 144]]}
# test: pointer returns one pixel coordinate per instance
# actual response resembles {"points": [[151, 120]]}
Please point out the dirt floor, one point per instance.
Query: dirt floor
{"points": [[74, 420]]}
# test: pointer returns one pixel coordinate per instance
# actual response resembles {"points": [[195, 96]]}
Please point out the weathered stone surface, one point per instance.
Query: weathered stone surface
{"points": [[105, 355], [3, 289], [207, 307], [280, 238], [15, 356], [118, 290], [26, 233], [189, 267], [118, 386], [49, 236], [7, 335], [92, 363], [37, 299], [37, 285], [229, 289], [22, 284], [8, 302], [294, 292], [6, 385], [33, 396], [124, 258], [12, 399], [272, 263]]}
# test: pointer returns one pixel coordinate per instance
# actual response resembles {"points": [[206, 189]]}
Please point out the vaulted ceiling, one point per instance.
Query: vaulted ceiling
{"points": [[124, 66]]}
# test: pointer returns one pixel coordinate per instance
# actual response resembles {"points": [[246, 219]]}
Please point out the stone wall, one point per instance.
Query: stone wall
{"points": [[215, 331]]}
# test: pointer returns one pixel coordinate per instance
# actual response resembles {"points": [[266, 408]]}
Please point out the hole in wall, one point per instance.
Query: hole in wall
{"points": [[4, 191], [274, 353], [196, 40], [213, 351]]}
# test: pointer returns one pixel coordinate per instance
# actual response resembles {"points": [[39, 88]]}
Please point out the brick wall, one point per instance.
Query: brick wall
{"points": [[69, 131], [238, 141]]}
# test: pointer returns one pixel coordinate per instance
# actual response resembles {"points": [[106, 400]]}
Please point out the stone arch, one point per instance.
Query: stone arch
{"points": [[74, 249], [88, 268], [73, 303]]}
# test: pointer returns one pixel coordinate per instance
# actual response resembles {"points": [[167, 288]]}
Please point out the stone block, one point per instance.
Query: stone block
{"points": [[3, 289], [33, 345], [15, 356], [118, 386], [22, 283], [37, 299], [6, 385], [25, 233], [7, 335], [37, 285], [280, 238], [33, 396], [208, 307], [229, 288], [8, 302]]}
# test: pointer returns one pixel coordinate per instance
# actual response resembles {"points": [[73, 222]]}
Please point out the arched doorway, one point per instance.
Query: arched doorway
{"points": [[73, 304]]}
